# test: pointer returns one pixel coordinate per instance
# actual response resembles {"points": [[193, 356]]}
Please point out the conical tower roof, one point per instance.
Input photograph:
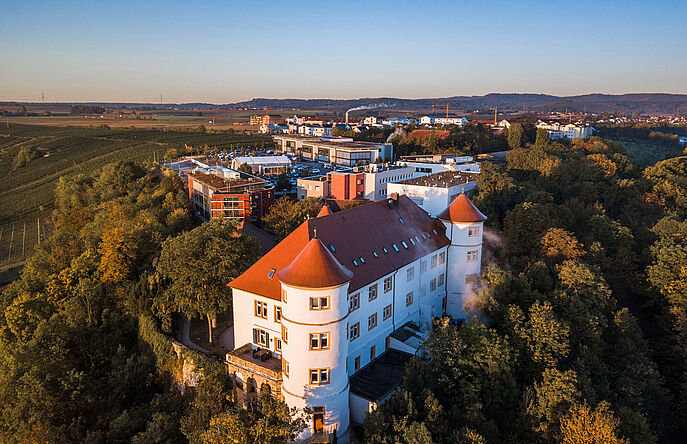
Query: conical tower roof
{"points": [[324, 211], [462, 210], [314, 267]]}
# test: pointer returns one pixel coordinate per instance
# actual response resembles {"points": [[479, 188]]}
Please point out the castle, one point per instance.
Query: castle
{"points": [[328, 318]]}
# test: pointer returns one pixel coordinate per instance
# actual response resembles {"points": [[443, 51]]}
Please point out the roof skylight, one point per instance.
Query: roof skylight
{"points": [[395, 248]]}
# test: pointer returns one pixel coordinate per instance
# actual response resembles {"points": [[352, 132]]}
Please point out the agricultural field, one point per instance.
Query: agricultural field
{"points": [[34, 157], [646, 152]]}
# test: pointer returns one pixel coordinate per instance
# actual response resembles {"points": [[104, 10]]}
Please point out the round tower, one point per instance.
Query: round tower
{"points": [[314, 344], [464, 226]]}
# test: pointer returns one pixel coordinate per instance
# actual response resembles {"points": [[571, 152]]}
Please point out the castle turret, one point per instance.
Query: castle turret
{"points": [[464, 226], [314, 291]]}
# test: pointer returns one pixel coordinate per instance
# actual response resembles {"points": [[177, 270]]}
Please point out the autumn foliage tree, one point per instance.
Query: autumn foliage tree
{"points": [[197, 265]]}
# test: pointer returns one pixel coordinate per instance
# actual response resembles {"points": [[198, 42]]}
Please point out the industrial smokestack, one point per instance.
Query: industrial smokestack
{"points": [[346, 117]]}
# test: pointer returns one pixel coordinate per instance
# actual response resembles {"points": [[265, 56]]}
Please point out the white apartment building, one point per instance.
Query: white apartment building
{"points": [[378, 176], [436, 163], [323, 318], [571, 131], [432, 120], [434, 192]]}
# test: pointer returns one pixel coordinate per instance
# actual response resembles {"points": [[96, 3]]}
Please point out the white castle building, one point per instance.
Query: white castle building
{"points": [[329, 317]]}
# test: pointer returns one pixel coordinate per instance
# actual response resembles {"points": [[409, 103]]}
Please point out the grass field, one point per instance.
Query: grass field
{"points": [[27, 193]]}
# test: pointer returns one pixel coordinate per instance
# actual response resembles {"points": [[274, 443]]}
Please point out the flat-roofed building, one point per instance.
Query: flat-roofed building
{"points": [[229, 194], [368, 182], [317, 187], [266, 165], [434, 192], [340, 151], [425, 164]]}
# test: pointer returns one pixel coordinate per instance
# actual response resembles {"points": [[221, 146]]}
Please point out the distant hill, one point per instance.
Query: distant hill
{"points": [[625, 103], [649, 103]]}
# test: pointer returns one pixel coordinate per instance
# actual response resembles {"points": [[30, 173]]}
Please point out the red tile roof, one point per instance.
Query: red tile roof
{"points": [[462, 210], [324, 211], [353, 234], [314, 267]]}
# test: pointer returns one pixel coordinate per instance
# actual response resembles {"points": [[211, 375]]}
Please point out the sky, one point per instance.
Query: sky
{"points": [[225, 51]]}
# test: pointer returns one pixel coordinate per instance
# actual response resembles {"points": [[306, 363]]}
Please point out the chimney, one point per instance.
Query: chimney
{"points": [[392, 200], [346, 117]]}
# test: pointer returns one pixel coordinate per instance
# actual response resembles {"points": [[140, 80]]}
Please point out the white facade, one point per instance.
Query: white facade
{"points": [[376, 180], [358, 322], [431, 120], [432, 199], [570, 131], [425, 168]]}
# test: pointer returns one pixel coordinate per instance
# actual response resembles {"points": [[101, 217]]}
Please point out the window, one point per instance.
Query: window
{"points": [[355, 331], [472, 255], [386, 314], [395, 248], [473, 231], [319, 341], [277, 314], [362, 261], [319, 303], [283, 295], [404, 244], [409, 299], [442, 257], [410, 274], [261, 309], [355, 262], [284, 334], [433, 284], [441, 280], [423, 266], [434, 261], [444, 303], [319, 376], [385, 250], [373, 352], [277, 344], [271, 273], [261, 337], [354, 302], [372, 321], [387, 284], [372, 292], [356, 363], [285, 367], [374, 253], [331, 247]]}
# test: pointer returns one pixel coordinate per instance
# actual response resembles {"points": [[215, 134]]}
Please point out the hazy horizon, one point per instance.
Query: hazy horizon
{"points": [[217, 53]]}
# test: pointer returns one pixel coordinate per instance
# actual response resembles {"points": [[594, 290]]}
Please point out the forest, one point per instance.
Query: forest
{"points": [[578, 333]]}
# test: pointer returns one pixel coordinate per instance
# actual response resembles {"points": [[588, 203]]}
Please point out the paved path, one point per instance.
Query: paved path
{"points": [[185, 330], [265, 239], [226, 339]]}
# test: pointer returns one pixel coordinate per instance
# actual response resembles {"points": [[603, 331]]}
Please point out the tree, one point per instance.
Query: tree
{"points": [[245, 168], [273, 423], [197, 266], [515, 135], [542, 138], [558, 244], [118, 251], [285, 215], [284, 183], [585, 426]]}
